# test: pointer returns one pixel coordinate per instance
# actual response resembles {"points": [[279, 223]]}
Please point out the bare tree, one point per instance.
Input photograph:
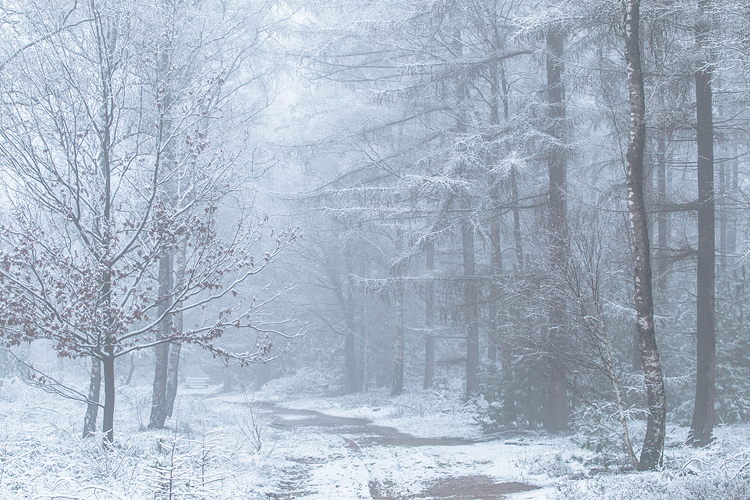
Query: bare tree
{"points": [[92, 217]]}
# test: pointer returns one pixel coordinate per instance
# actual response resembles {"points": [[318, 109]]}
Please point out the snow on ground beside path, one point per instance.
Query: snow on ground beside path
{"points": [[227, 446]]}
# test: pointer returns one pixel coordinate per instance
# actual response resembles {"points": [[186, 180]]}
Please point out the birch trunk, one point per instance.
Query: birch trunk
{"points": [[653, 442]]}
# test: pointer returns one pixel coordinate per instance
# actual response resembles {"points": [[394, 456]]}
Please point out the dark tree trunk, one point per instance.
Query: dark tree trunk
{"points": [[661, 226], [557, 410], [496, 263], [731, 213], [653, 442], [397, 386], [517, 218], [429, 313], [497, 82], [108, 417], [159, 398], [702, 425], [470, 303], [365, 341], [92, 408], [398, 356]]}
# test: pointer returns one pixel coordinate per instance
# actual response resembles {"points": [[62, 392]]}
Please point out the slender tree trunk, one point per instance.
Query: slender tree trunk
{"points": [[350, 354], [398, 356], [701, 428], [517, 219], [470, 303], [497, 270], [653, 442], [429, 313], [173, 369], [661, 226], [365, 340], [131, 371], [166, 150], [557, 411], [108, 418], [495, 250], [398, 359], [350, 361], [731, 213], [92, 408], [159, 397], [173, 363]]}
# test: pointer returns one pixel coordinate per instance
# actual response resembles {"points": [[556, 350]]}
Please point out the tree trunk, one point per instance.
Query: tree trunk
{"points": [[702, 425], [92, 408], [731, 213], [496, 264], [557, 411], [398, 358], [470, 303], [365, 341], [429, 313], [661, 225], [159, 398], [350, 305], [173, 363], [131, 370], [653, 442], [173, 368], [350, 361], [108, 419], [517, 219]]}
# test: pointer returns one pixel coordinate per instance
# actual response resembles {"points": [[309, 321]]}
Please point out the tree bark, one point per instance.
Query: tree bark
{"points": [[108, 417], [397, 387], [701, 428], [661, 225], [470, 303], [557, 411], [398, 356], [350, 353], [173, 368], [92, 408], [653, 442], [159, 397], [496, 264], [173, 363], [429, 313], [348, 303]]}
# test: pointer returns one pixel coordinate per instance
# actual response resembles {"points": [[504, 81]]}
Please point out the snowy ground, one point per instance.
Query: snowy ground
{"points": [[276, 445]]}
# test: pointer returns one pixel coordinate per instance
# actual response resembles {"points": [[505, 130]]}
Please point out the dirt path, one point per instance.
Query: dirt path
{"points": [[365, 460]]}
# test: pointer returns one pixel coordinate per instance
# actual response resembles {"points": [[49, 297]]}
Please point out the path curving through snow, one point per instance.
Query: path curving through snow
{"points": [[341, 458]]}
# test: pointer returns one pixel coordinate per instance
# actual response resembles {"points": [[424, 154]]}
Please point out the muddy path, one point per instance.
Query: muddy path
{"points": [[363, 453], [366, 432]]}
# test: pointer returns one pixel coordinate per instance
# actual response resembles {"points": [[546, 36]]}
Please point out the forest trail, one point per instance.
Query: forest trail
{"points": [[360, 460]]}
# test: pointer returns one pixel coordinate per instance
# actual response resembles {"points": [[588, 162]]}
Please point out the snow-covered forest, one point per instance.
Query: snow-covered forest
{"points": [[374, 249]]}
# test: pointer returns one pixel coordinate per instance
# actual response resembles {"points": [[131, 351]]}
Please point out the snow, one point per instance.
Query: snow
{"points": [[226, 446]]}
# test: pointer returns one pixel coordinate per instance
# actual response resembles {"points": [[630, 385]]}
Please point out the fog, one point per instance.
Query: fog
{"points": [[386, 249]]}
